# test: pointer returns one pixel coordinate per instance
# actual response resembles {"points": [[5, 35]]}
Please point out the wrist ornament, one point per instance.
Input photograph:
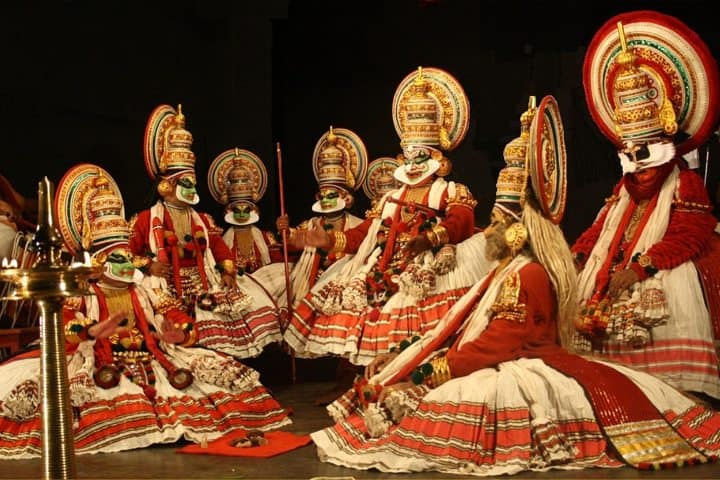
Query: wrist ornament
{"points": [[645, 263], [438, 236], [340, 242]]}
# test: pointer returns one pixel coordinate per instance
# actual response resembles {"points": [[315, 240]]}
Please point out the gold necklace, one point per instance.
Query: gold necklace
{"points": [[244, 246], [181, 222], [117, 300], [635, 220]]}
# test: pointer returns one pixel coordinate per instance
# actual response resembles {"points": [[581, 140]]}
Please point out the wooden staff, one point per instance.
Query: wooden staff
{"points": [[288, 284]]}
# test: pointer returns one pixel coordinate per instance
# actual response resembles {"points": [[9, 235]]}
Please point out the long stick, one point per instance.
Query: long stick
{"points": [[288, 285]]}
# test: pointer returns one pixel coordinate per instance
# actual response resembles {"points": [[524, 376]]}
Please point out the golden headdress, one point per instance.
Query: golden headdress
{"points": [[536, 163], [340, 160], [90, 210], [380, 179], [430, 108], [646, 76], [237, 176], [167, 144]]}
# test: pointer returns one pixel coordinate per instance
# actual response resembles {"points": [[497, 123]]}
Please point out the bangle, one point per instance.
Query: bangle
{"points": [[442, 234], [190, 335], [440, 372], [438, 236], [229, 267], [340, 242]]}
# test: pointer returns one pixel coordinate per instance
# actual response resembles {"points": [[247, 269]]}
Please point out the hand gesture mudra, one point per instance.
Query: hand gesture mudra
{"points": [[317, 236]]}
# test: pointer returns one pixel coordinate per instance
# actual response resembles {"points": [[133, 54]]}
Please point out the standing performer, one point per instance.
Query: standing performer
{"points": [[135, 377], [405, 272], [490, 391], [650, 261], [184, 252]]}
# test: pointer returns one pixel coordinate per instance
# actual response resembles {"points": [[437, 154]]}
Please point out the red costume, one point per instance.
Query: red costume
{"points": [[489, 391], [650, 262], [383, 294]]}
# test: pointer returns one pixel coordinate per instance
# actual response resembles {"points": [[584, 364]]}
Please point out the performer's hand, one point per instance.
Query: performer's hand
{"points": [[228, 281], [108, 326], [378, 363], [621, 281], [282, 223], [391, 388], [317, 236], [417, 245], [170, 333], [160, 269]]}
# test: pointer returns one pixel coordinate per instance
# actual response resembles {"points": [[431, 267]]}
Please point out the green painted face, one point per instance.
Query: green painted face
{"points": [[188, 188], [241, 213], [328, 198], [119, 265]]}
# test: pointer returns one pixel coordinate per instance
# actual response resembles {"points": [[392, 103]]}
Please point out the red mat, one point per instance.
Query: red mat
{"points": [[277, 442]]}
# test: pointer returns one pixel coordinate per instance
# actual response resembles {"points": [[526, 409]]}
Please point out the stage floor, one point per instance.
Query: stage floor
{"points": [[162, 462]]}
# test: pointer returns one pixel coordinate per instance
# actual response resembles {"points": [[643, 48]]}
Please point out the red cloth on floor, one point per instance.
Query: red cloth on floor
{"points": [[277, 442]]}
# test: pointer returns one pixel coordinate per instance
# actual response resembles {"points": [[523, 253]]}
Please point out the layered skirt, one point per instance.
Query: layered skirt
{"points": [[318, 329], [524, 415], [224, 396]]}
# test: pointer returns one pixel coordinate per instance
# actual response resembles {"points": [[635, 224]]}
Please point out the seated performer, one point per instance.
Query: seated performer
{"points": [[339, 165], [135, 377], [649, 276], [405, 272], [490, 391], [237, 178], [185, 254]]}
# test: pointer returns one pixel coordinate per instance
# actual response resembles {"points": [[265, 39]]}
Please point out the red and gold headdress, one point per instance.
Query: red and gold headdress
{"points": [[537, 158], [340, 161], [380, 179], [647, 75], [167, 144], [236, 177], [89, 210], [430, 108]]}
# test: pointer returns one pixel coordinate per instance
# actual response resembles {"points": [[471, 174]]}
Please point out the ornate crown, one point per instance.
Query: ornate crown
{"points": [[645, 72], [430, 108], [512, 180], [380, 178], [90, 208], [333, 164], [167, 144], [637, 117], [237, 175], [340, 159]]}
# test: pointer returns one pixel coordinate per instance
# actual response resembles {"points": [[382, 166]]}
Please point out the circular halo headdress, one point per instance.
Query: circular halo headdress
{"points": [[430, 107], [340, 159], [167, 145], [237, 174], [681, 67], [547, 159], [89, 209], [380, 179]]}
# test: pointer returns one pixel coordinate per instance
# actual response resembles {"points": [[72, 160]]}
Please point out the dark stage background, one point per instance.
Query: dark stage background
{"points": [[80, 78]]}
